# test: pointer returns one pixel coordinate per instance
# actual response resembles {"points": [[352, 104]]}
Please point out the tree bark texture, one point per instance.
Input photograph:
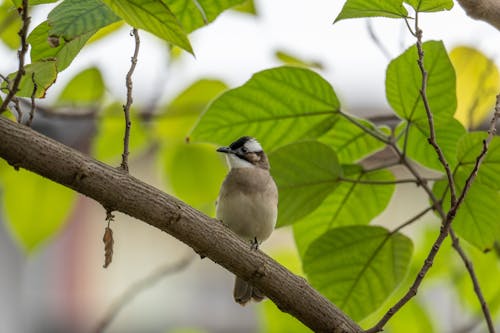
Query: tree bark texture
{"points": [[24, 148], [486, 10]]}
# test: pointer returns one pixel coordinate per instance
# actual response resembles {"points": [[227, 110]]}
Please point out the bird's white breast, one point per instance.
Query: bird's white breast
{"points": [[248, 203]]}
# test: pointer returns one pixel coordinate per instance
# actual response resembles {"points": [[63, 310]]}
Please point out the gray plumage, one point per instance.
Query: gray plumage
{"points": [[248, 202]]}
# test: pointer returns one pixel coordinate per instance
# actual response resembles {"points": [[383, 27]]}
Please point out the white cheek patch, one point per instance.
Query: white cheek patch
{"points": [[235, 162], [253, 145]]}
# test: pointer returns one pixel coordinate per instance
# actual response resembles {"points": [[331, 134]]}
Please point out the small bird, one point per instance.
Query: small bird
{"points": [[248, 202]]}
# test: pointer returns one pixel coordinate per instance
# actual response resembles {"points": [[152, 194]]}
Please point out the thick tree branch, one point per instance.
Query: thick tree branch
{"points": [[485, 10], [116, 190]]}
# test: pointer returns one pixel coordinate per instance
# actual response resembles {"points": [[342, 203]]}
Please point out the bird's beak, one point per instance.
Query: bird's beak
{"points": [[225, 150]]}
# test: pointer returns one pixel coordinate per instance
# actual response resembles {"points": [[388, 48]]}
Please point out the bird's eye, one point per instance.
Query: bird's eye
{"points": [[244, 149]]}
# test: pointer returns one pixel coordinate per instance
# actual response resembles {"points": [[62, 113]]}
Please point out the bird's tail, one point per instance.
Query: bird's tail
{"points": [[244, 292]]}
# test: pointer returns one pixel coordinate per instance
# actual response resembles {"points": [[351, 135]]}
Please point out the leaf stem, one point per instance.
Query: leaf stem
{"points": [[373, 132]]}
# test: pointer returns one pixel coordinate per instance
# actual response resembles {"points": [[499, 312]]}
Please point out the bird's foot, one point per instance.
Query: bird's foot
{"points": [[254, 244]]}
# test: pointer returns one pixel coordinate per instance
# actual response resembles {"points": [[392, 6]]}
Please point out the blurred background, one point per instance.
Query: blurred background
{"points": [[61, 286]]}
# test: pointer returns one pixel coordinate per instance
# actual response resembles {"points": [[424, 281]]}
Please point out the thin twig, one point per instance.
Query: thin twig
{"points": [[384, 182], [475, 282], [33, 106], [21, 54], [126, 107], [138, 287], [413, 219], [432, 132]]}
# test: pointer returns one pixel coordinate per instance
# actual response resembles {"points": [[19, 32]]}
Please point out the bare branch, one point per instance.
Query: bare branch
{"points": [[128, 296], [126, 107], [377, 41], [21, 54]]}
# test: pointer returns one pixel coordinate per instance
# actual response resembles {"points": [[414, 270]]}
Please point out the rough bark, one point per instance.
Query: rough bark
{"points": [[485, 10], [115, 190]]}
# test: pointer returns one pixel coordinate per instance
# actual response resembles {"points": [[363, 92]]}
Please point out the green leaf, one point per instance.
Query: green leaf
{"points": [[35, 208], [186, 170], [350, 142], [179, 116], [430, 5], [277, 106], [292, 60], [107, 145], [477, 219], [372, 8], [247, 7], [469, 149], [448, 134], [350, 203], [85, 88], [358, 267], [43, 73], [404, 81], [64, 52], [195, 14], [305, 173], [10, 25], [74, 18], [153, 16]]}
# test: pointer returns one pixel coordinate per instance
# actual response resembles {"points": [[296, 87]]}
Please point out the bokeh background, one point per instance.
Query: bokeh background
{"points": [[60, 286]]}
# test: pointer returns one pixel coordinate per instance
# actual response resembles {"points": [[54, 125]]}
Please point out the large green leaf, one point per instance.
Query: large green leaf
{"points": [[469, 149], [404, 81], [43, 73], [350, 203], [74, 18], [448, 133], [277, 106], [371, 8], [35, 208], [477, 219], [430, 5], [350, 142], [85, 88], [195, 14], [358, 267], [305, 172], [179, 116], [64, 52], [153, 16]]}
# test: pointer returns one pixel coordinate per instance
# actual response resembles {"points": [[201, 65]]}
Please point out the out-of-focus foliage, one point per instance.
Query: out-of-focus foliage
{"points": [[478, 82], [35, 208], [86, 88], [108, 143]]}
